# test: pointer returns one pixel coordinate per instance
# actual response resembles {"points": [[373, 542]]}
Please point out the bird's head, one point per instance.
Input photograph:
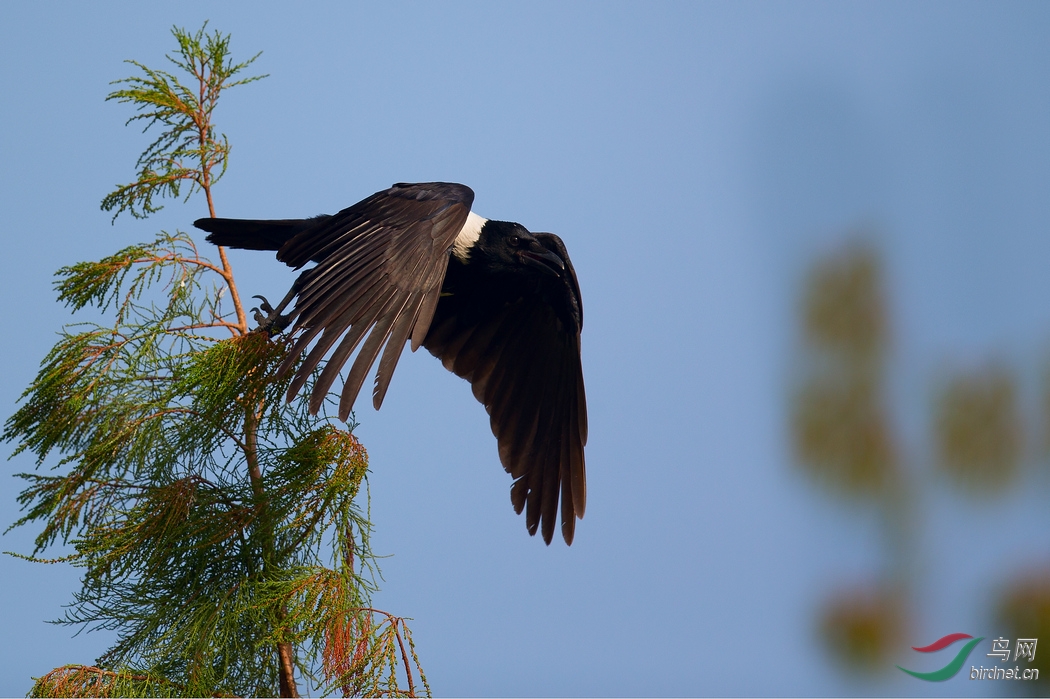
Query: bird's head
{"points": [[511, 247]]}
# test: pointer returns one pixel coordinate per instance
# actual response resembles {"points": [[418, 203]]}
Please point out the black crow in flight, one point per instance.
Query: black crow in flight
{"points": [[498, 305]]}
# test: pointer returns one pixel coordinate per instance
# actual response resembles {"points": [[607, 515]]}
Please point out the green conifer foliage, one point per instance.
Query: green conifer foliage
{"points": [[218, 527]]}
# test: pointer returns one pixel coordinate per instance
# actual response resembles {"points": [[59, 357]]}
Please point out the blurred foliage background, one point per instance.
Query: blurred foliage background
{"points": [[845, 441]]}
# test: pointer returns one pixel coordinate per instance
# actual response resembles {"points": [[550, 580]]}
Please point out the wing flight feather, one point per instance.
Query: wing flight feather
{"points": [[381, 264], [521, 354]]}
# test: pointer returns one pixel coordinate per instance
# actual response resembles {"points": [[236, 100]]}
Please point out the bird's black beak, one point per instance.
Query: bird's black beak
{"points": [[541, 258]]}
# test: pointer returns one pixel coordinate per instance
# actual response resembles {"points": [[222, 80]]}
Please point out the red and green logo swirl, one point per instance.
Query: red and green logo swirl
{"points": [[953, 667]]}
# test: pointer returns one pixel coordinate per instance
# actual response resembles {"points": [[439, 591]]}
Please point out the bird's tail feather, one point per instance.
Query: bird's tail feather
{"points": [[248, 234]]}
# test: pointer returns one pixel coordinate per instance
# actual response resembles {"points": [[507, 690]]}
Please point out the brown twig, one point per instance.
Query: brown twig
{"points": [[404, 656]]}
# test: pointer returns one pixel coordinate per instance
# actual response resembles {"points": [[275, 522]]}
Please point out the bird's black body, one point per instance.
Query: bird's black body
{"points": [[500, 307]]}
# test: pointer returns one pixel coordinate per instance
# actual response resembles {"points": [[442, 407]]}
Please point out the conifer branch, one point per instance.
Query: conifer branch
{"points": [[188, 134], [216, 524]]}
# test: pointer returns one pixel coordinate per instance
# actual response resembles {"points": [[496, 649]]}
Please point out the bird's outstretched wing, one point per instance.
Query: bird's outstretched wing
{"points": [[519, 346], [380, 266]]}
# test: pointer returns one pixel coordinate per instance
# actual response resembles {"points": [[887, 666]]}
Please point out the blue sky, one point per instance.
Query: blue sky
{"points": [[695, 158]]}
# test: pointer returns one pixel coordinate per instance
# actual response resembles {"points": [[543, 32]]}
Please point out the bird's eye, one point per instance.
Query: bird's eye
{"points": [[514, 241]]}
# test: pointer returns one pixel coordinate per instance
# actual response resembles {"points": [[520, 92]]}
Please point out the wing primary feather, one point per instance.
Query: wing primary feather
{"points": [[551, 464], [532, 512], [332, 329], [347, 309], [568, 517], [518, 442], [394, 347], [534, 477], [581, 397], [365, 358], [334, 364], [519, 490], [575, 441], [424, 318], [359, 326]]}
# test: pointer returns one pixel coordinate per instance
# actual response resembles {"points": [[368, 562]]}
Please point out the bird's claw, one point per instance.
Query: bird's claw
{"points": [[272, 323], [265, 305]]}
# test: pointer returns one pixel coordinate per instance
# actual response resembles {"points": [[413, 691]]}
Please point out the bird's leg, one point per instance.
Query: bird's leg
{"points": [[273, 322]]}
